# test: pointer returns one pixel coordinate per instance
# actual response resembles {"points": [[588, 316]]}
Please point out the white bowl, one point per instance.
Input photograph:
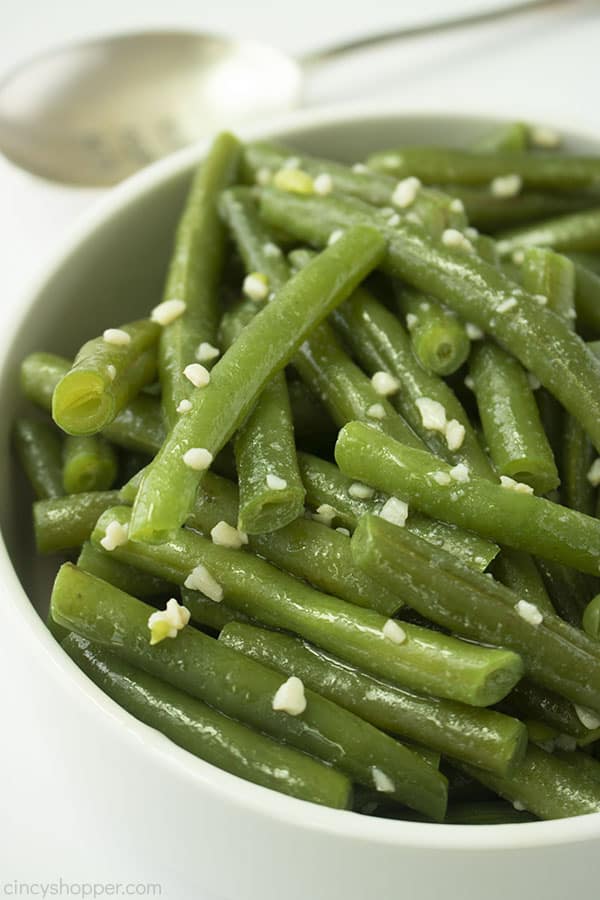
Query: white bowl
{"points": [[106, 778]]}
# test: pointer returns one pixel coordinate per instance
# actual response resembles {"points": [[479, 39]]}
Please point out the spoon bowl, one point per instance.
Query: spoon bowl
{"points": [[95, 112]]}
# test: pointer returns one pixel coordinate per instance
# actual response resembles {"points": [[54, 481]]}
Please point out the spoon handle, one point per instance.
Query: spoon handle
{"points": [[437, 26]]}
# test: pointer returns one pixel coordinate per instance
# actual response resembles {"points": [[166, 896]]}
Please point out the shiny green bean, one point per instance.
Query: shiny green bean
{"points": [[104, 377], [425, 661], [479, 736], [476, 290], [479, 608], [438, 165], [89, 464], [63, 523], [510, 418], [245, 690], [195, 273], [326, 485], [504, 512], [265, 346], [438, 337], [138, 426], [39, 450], [209, 734]]}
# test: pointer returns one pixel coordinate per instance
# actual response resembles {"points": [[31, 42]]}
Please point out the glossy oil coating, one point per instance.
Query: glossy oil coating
{"points": [[195, 272], [64, 523], [207, 733], [38, 445], [243, 689], [89, 464], [475, 289], [438, 165], [305, 548], [426, 661], [169, 485], [438, 337], [380, 343], [517, 519], [104, 377], [326, 484], [138, 426], [265, 444], [510, 418], [480, 736], [479, 608]]}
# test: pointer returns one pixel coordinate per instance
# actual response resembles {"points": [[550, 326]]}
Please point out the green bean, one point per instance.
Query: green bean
{"points": [[313, 426], [486, 813], [485, 247], [572, 231], [475, 289], [587, 297], [479, 736], [577, 456], [496, 511], [550, 275], [209, 614], [40, 454], [528, 700], [195, 272], [545, 786], [265, 443], [439, 339], [462, 788], [103, 565], [437, 165], [104, 377], [345, 390], [433, 208], [380, 343], [553, 276], [510, 137], [243, 689], [63, 523], [308, 549], [326, 485], [479, 608], [266, 345], [258, 251], [491, 213], [510, 418], [263, 446], [426, 661], [89, 464], [139, 426], [553, 417], [591, 618], [207, 733], [568, 589], [541, 734], [519, 572], [582, 762], [589, 261], [57, 631]]}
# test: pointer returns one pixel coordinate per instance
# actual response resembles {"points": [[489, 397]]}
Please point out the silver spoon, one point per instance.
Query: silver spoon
{"points": [[94, 112]]}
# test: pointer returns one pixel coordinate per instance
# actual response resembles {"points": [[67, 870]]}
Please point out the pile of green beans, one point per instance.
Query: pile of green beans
{"points": [[336, 525]]}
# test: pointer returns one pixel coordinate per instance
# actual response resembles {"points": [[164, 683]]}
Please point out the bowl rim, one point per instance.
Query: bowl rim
{"points": [[26, 621]]}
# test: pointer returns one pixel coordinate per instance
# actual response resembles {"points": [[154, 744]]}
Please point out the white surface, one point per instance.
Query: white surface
{"points": [[545, 67]]}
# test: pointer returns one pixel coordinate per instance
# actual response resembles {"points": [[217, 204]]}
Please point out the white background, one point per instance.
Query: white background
{"points": [[545, 67]]}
